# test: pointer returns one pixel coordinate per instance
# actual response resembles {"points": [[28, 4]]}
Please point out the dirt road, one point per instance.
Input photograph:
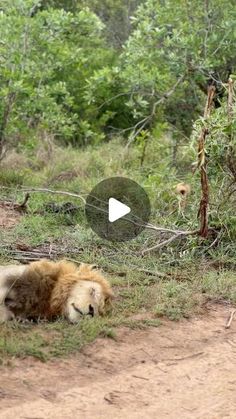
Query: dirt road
{"points": [[185, 369]]}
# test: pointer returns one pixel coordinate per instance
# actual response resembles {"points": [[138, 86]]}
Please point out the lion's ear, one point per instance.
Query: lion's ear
{"points": [[85, 268]]}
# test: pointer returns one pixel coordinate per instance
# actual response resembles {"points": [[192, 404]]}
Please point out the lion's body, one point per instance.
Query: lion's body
{"points": [[48, 289]]}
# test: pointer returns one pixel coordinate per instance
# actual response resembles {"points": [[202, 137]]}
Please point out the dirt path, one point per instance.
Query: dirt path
{"points": [[185, 370], [8, 217]]}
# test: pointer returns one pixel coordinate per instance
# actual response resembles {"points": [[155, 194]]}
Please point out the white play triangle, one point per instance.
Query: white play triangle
{"points": [[116, 210]]}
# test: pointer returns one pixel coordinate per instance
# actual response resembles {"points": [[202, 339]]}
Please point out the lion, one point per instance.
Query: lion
{"points": [[47, 289], [183, 190]]}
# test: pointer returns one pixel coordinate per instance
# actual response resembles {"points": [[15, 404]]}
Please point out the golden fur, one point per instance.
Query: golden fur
{"points": [[183, 189], [47, 289]]}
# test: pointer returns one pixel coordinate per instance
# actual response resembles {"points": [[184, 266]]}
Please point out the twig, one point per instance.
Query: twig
{"points": [[23, 205], [141, 378], [147, 226], [182, 358], [150, 226], [202, 164], [45, 190], [141, 124], [230, 111], [171, 239], [230, 99], [14, 206], [230, 319]]}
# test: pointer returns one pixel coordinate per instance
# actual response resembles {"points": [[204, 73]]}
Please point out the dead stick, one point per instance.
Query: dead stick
{"points": [[230, 99], [168, 241], [202, 164], [24, 203], [147, 226], [230, 319], [141, 378], [230, 111]]}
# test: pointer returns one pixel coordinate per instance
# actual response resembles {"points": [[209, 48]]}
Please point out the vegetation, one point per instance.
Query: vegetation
{"points": [[95, 89]]}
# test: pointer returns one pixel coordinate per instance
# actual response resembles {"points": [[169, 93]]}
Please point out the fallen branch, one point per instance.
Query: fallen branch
{"points": [[23, 205], [141, 378], [147, 226], [171, 239], [45, 190], [230, 319], [176, 233], [30, 255]]}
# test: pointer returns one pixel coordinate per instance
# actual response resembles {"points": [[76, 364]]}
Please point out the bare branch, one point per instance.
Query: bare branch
{"points": [[230, 319], [44, 190], [202, 164], [148, 226], [142, 124], [168, 241], [230, 99]]}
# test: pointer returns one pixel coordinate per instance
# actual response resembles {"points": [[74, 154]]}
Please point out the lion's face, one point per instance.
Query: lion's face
{"points": [[86, 299]]}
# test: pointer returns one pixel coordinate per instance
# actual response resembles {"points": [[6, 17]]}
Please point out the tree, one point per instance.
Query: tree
{"points": [[44, 63], [173, 41], [115, 14]]}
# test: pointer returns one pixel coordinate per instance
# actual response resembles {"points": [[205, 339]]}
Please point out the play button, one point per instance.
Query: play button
{"points": [[117, 209]]}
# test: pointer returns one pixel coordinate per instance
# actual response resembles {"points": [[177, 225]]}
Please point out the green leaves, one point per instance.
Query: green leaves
{"points": [[170, 39], [58, 71], [45, 61]]}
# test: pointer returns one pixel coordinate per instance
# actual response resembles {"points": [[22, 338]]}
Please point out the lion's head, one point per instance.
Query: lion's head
{"points": [[90, 296], [49, 289]]}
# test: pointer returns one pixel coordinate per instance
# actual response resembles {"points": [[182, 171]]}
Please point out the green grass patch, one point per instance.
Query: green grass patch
{"points": [[136, 306], [196, 271]]}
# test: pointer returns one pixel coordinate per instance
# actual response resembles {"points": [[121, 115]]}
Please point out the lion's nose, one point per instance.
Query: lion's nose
{"points": [[91, 310]]}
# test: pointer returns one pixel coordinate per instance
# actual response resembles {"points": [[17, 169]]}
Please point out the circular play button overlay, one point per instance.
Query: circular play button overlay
{"points": [[117, 209]]}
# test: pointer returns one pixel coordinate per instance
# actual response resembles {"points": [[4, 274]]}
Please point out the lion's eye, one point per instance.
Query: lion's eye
{"points": [[77, 309], [91, 310]]}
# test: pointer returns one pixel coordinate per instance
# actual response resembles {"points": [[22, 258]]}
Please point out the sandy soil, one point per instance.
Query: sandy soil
{"points": [[185, 369]]}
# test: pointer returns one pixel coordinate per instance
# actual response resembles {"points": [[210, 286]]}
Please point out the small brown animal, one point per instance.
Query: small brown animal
{"points": [[47, 289], [183, 190]]}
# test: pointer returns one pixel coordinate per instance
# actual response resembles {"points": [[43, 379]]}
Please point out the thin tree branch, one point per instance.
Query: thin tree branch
{"points": [[142, 124], [148, 226], [202, 164], [230, 99], [168, 241]]}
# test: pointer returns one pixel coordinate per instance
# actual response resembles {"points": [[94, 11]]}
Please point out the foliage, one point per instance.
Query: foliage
{"points": [[115, 14], [44, 63], [143, 295], [220, 151], [170, 40], [63, 71]]}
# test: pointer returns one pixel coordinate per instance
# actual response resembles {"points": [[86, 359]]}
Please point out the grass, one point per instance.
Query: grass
{"points": [[143, 297], [136, 306]]}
